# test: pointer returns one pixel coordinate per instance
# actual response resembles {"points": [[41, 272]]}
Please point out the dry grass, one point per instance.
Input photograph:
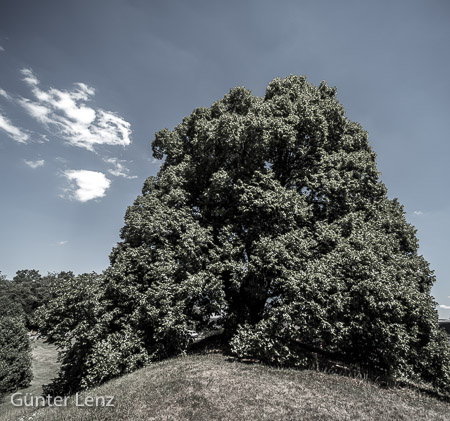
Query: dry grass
{"points": [[210, 387]]}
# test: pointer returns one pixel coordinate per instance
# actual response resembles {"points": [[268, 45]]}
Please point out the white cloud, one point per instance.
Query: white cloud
{"points": [[4, 94], [39, 112], [120, 170], [89, 184], [443, 306], [43, 139], [418, 212], [12, 131], [66, 114], [35, 164], [61, 159], [63, 243], [29, 77]]}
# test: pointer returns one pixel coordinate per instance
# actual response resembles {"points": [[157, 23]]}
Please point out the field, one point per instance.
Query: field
{"points": [[211, 387]]}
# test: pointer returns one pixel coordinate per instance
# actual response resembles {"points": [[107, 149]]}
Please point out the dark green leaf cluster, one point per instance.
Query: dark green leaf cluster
{"points": [[15, 350]]}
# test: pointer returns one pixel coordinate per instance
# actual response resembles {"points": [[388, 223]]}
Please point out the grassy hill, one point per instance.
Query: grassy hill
{"points": [[210, 387]]}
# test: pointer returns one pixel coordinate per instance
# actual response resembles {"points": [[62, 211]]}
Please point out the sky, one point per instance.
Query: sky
{"points": [[84, 85]]}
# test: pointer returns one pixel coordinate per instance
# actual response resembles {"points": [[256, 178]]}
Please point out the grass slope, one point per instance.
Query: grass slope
{"points": [[44, 368], [209, 387]]}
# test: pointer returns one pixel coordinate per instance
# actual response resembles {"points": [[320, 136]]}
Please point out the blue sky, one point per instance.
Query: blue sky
{"points": [[85, 85]]}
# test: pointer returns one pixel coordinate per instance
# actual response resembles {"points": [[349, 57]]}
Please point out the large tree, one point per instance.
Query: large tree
{"points": [[270, 212]]}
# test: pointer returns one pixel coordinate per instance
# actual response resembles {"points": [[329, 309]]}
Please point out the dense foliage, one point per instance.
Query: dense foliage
{"points": [[72, 320], [270, 212], [15, 350], [29, 289]]}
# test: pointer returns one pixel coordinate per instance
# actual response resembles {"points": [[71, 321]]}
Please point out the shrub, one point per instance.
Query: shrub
{"points": [[15, 350]]}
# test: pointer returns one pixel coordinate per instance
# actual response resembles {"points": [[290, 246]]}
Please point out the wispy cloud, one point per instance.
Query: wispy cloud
{"points": [[87, 185], [1, 48], [29, 77], [35, 164], [43, 138], [63, 243], [418, 212], [66, 114], [443, 306], [4, 94], [39, 112], [119, 169], [12, 131]]}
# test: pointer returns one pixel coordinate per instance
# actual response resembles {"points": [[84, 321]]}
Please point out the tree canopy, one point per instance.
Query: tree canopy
{"points": [[269, 212]]}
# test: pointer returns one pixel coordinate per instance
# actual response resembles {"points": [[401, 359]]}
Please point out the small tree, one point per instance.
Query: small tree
{"points": [[26, 284], [71, 322], [15, 350]]}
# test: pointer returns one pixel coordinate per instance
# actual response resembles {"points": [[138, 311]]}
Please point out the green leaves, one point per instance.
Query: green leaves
{"points": [[15, 350]]}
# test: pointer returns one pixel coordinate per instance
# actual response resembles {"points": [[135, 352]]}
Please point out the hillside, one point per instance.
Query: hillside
{"points": [[210, 387]]}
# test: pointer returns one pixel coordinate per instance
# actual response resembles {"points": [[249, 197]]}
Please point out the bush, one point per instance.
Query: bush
{"points": [[15, 350]]}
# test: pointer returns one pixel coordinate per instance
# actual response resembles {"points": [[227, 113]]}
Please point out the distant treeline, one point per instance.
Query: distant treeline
{"points": [[29, 290], [19, 299], [445, 324]]}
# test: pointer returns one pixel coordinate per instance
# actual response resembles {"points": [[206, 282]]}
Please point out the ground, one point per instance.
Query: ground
{"points": [[209, 387]]}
